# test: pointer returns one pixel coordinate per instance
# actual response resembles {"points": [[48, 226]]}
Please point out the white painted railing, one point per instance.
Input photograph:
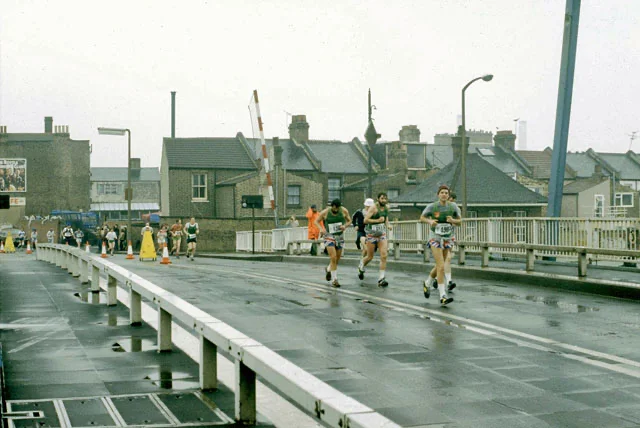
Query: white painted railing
{"points": [[598, 233], [251, 358]]}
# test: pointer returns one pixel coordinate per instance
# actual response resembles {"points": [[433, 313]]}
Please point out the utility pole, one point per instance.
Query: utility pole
{"points": [[371, 135]]}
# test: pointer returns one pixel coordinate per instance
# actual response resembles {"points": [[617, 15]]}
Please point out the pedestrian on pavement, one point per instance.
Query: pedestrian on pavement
{"points": [[176, 237], [313, 231], [111, 240], [191, 230], [336, 219], [34, 239], [376, 225], [79, 234], [51, 236], [20, 238], [293, 222], [441, 216], [123, 238], [161, 238]]}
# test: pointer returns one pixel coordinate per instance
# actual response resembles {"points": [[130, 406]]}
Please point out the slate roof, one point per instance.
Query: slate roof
{"points": [[120, 174], [439, 156], [486, 184], [504, 161], [540, 163], [339, 157], [294, 156], [581, 185], [627, 168], [583, 164], [208, 153]]}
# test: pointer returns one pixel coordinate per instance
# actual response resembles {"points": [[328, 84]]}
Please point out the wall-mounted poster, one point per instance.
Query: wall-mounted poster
{"points": [[13, 175]]}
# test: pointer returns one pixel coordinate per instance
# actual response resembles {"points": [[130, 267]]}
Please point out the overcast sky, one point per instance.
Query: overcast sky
{"points": [[91, 64]]}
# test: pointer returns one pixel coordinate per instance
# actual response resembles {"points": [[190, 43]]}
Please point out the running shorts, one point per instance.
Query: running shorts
{"points": [[375, 239], [334, 241], [441, 243]]}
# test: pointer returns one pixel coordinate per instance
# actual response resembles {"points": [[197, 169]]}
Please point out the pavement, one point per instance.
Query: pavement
{"points": [[504, 354], [80, 363]]}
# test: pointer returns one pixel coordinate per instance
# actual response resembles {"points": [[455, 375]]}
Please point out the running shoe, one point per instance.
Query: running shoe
{"points": [[444, 300], [382, 282], [435, 285], [451, 286], [425, 289], [335, 283], [360, 274], [327, 275]]}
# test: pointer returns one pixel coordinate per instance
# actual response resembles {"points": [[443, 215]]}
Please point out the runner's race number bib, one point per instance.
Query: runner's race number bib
{"points": [[378, 229], [192, 236], [444, 229], [334, 228]]}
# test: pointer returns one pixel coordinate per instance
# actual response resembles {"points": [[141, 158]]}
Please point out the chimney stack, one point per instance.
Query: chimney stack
{"points": [[506, 140], [277, 151], [456, 144], [48, 125], [410, 134], [173, 114], [299, 128]]}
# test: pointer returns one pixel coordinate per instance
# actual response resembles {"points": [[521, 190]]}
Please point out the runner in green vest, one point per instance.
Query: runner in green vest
{"points": [[336, 219], [191, 229], [441, 216], [376, 226]]}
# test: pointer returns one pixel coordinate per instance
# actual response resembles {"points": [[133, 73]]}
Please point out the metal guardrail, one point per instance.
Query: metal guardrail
{"points": [[251, 358]]}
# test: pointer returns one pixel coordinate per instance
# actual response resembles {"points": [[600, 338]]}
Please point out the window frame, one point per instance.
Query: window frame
{"points": [[203, 187], [289, 195], [619, 199], [334, 189]]}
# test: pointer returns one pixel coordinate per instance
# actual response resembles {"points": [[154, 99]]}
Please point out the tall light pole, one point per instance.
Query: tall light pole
{"points": [[371, 135], [463, 145], [128, 192]]}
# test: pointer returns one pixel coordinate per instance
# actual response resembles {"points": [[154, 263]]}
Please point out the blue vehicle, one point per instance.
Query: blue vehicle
{"points": [[85, 221]]}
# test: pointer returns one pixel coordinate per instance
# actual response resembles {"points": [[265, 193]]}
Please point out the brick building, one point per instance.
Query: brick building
{"points": [[56, 171], [108, 191]]}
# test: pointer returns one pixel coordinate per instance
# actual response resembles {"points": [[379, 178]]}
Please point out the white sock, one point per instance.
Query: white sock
{"points": [[447, 277], [443, 294], [381, 274], [430, 281], [334, 275], [361, 265], [329, 268]]}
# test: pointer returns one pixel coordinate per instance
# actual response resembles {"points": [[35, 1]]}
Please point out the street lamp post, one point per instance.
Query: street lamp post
{"points": [[371, 135], [128, 192], [463, 145]]}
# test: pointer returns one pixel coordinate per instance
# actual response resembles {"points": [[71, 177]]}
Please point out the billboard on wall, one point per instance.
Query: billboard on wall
{"points": [[13, 175]]}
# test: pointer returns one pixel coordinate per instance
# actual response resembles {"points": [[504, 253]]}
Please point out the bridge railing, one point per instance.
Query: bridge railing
{"points": [[596, 233], [250, 357]]}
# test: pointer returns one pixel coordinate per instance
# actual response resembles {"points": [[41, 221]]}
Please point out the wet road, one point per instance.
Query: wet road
{"points": [[500, 355]]}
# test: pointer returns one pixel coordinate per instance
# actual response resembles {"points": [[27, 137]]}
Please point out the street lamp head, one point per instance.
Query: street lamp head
{"points": [[111, 131], [487, 77]]}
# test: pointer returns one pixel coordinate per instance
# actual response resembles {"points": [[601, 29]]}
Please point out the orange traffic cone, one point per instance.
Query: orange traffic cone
{"points": [[129, 251], [165, 256], [87, 247], [104, 251], [29, 248], [1, 246]]}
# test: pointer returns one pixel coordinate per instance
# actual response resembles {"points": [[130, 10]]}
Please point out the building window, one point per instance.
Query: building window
{"points": [[392, 194], [108, 188], [335, 191], [293, 195], [495, 214], [519, 213], [472, 214], [598, 206], [624, 199], [416, 156], [199, 187]]}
